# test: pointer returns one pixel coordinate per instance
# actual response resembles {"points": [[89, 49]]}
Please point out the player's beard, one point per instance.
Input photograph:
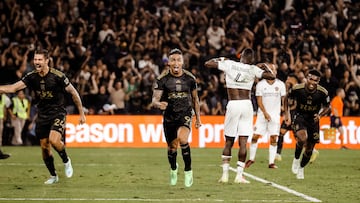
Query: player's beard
{"points": [[39, 68]]}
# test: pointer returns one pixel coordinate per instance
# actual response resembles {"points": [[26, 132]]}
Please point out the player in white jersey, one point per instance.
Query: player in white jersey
{"points": [[270, 95], [239, 78]]}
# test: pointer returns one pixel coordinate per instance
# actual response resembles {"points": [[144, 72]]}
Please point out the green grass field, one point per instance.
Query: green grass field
{"points": [[141, 175]]}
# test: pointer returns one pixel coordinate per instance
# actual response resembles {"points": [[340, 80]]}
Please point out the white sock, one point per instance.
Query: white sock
{"points": [[272, 153], [240, 168], [226, 167], [253, 148]]}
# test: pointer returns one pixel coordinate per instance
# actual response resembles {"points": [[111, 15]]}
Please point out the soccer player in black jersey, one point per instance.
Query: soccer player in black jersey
{"points": [[312, 103], [175, 92], [50, 86]]}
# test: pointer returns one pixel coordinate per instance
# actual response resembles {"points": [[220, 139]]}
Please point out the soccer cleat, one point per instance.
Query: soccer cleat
{"points": [[273, 166], [314, 155], [4, 156], [188, 178], [224, 178], [68, 169], [295, 166], [173, 175], [300, 173], [278, 157], [241, 179], [248, 163], [52, 180]]}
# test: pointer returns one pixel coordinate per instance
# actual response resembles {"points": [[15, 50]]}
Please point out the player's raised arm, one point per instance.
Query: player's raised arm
{"points": [[12, 88]]}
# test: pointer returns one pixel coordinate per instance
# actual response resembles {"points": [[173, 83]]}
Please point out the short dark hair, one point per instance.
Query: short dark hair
{"points": [[175, 51], [44, 52], [293, 75], [314, 72], [248, 52]]}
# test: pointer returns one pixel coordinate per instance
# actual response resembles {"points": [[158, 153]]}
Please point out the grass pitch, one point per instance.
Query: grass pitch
{"points": [[141, 175]]}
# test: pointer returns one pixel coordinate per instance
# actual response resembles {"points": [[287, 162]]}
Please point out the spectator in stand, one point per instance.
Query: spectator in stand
{"points": [[117, 94], [216, 34], [308, 28], [4, 105], [19, 112], [329, 82], [106, 33]]}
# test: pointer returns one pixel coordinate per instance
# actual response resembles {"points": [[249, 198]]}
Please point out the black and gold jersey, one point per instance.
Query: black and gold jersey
{"points": [[176, 91], [49, 92], [309, 103]]}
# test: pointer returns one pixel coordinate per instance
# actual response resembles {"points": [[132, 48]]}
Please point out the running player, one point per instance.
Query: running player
{"points": [[312, 103], [175, 93], [50, 86]]}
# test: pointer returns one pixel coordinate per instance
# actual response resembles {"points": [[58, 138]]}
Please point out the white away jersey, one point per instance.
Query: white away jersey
{"points": [[239, 75], [271, 96]]}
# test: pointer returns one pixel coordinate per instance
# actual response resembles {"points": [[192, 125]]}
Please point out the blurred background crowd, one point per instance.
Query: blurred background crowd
{"points": [[113, 50]]}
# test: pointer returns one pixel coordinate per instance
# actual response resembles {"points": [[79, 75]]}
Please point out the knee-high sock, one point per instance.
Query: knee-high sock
{"points": [[172, 159], [298, 149], [49, 162], [272, 153], [305, 158], [186, 154], [253, 148], [240, 168], [62, 153], [280, 144]]}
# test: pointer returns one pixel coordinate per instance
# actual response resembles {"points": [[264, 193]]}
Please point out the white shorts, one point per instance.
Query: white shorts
{"points": [[239, 118], [264, 127]]}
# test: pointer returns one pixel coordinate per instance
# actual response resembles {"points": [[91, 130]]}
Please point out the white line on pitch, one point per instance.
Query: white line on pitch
{"points": [[286, 189], [112, 199]]}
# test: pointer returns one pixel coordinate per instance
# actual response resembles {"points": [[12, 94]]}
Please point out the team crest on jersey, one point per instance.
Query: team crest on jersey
{"points": [[309, 100], [276, 88]]}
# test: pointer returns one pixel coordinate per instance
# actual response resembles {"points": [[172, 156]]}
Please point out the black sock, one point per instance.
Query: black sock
{"points": [[185, 150], [298, 149], [172, 159], [280, 144], [49, 162], [63, 155], [305, 158]]}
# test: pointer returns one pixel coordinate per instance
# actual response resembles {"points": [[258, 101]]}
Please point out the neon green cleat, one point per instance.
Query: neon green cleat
{"points": [[173, 175], [314, 155], [188, 178]]}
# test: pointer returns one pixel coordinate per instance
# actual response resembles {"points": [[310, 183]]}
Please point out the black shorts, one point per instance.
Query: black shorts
{"points": [[333, 124], [304, 123], [171, 126], [57, 123]]}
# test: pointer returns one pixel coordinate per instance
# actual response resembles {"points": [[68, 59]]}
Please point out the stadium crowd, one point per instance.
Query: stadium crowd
{"points": [[114, 49]]}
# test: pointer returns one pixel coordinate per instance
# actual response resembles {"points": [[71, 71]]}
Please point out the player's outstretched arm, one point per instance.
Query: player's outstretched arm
{"points": [[13, 87]]}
